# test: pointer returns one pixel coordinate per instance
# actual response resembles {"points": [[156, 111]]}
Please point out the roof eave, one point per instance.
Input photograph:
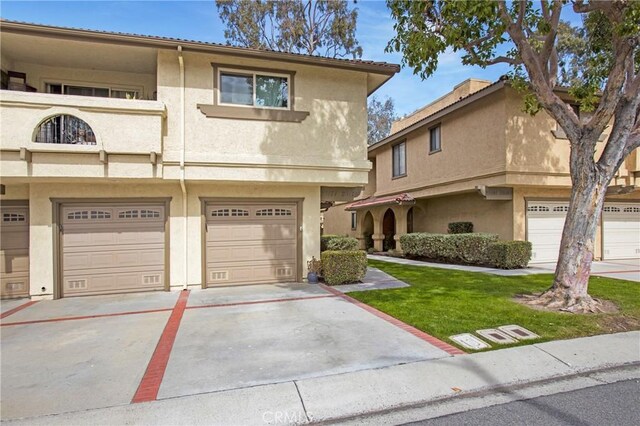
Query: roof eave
{"points": [[194, 46]]}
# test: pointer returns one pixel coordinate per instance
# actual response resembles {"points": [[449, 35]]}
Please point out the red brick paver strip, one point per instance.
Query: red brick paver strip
{"points": [[451, 350], [152, 379], [17, 309], [115, 314]]}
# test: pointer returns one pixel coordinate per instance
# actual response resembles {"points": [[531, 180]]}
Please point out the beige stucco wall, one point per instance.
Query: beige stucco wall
{"points": [[473, 145], [41, 220], [328, 146], [337, 221]]}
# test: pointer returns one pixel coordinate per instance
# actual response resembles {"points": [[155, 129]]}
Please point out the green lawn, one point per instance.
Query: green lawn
{"points": [[444, 302]]}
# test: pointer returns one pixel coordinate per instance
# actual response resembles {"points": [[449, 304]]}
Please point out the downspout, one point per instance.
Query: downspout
{"points": [[183, 187]]}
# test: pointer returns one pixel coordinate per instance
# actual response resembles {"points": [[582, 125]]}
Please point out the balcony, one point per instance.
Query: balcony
{"points": [[43, 134]]}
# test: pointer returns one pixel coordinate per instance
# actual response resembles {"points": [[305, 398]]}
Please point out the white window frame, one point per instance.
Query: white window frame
{"points": [[354, 221], [393, 160], [254, 74], [437, 128], [64, 83]]}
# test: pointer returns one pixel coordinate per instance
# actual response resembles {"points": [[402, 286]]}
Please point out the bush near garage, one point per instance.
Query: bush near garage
{"points": [[460, 228], [324, 240], [342, 244], [510, 254], [343, 267], [450, 248]]}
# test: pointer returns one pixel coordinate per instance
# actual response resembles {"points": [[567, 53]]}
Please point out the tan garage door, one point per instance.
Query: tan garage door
{"points": [[250, 243], [14, 251], [112, 248]]}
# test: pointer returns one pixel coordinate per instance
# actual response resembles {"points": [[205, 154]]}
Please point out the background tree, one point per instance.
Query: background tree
{"points": [[600, 61], [321, 27], [380, 115]]}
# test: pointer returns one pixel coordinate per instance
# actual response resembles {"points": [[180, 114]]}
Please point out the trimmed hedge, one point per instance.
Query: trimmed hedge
{"points": [[510, 254], [454, 248], [460, 228], [343, 267], [343, 243], [324, 240]]}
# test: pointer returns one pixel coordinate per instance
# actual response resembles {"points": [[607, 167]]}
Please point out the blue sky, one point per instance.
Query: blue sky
{"points": [[198, 20]]}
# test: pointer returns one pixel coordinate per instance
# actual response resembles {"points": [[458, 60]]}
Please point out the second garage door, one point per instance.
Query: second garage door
{"points": [[621, 231], [250, 243], [114, 248], [545, 221]]}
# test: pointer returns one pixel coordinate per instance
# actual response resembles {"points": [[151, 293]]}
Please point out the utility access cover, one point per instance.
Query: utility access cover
{"points": [[496, 336], [518, 332], [469, 341]]}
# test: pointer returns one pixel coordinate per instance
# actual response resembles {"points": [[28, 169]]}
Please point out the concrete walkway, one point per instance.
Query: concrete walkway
{"points": [[345, 396], [628, 269]]}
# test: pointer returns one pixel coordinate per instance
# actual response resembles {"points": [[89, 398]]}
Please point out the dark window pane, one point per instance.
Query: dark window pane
{"points": [[236, 89], [434, 144], [271, 91]]}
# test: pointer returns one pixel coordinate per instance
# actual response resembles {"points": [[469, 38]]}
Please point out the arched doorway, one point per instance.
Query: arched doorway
{"points": [[389, 230], [367, 230], [410, 221]]}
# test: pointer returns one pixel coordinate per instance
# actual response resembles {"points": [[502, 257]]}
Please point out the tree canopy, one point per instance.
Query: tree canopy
{"points": [[380, 115], [319, 27]]}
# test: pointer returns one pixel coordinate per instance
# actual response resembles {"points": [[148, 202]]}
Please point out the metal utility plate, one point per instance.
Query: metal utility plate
{"points": [[518, 332], [496, 336], [469, 341]]}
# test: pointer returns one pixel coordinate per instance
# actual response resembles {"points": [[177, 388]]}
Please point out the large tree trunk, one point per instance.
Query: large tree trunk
{"points": [[589, 186]]}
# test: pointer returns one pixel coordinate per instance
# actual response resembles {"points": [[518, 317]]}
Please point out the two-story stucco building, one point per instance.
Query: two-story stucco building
{"points": [[133, 163], [474, 155]]}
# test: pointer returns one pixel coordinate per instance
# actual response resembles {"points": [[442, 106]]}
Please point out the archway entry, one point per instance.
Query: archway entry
{"points": [[410, 221], [389, 230], [367, 230]]}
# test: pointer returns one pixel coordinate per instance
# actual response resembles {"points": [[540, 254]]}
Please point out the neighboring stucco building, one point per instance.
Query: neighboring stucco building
{"points": [[474, 155], [133, 163]]}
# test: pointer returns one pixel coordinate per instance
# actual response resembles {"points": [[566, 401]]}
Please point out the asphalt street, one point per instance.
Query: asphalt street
{"points": [[608, 404]]}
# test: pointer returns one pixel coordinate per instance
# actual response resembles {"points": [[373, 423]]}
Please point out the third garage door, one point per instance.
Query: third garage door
{"points": [[250, 243], [621, 231], [112, 248]]}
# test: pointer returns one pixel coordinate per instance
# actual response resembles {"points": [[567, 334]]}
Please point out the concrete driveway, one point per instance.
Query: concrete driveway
{"points": [[82, 353], [627, 269]]}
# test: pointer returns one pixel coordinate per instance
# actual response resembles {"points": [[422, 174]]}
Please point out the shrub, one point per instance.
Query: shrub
{"points": [[343, 267], [371, 250], [455, 248], [510, 254], [473, 248], [460, 228], [324, 240], [343, 243]]}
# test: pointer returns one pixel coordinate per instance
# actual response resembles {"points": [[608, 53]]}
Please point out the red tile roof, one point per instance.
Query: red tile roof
{"points": [[399, 199]]}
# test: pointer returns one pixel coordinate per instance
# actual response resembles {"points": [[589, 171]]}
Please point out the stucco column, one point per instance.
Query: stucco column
{"points": [[401, 224], [378, 236]]}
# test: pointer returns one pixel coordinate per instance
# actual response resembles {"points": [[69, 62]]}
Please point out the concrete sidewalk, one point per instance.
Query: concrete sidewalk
{"points": [[345, 396], [621, 269]]}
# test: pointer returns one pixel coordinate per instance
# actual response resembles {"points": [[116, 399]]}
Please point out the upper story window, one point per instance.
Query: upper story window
{"points": [[434, 139], [65, 129], [399, 155], [100, 92], [254, 89]]}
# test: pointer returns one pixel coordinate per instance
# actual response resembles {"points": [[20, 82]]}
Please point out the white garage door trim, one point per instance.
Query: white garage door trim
{"points": [[246, 210], [14, 249], [544, 222], [621, 231], [131, 214]]}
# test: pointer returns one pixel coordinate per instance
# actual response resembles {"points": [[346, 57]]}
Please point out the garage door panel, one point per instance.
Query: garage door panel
{"points": [[621, 231], [545, 221], [91, 283], [14, 251], [250, 243], [112, 249]]}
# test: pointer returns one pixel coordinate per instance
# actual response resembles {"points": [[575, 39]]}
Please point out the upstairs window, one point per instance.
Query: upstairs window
{"points": [[65, 129], [434, 139], [254, 89], [399, 160]]}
